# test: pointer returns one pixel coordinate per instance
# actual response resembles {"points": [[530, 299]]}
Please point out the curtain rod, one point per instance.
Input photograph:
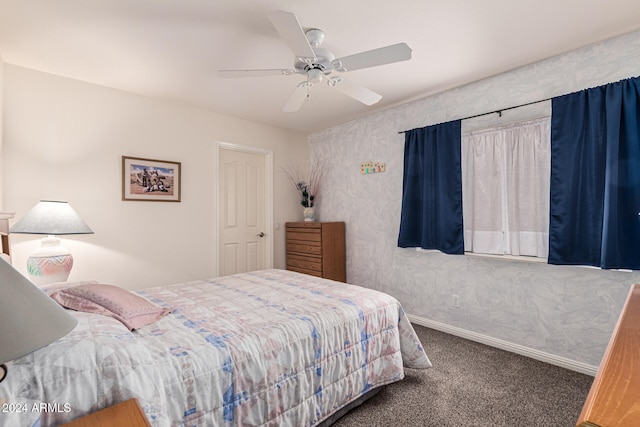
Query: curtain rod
{"points": [[499, 112]]}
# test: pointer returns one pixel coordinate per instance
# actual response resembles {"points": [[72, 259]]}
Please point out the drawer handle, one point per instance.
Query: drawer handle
{"points": [[261, 234]]}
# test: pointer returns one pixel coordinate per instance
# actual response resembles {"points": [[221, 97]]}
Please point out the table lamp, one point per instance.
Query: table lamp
{"points": [[29, 319], [51, 262]]}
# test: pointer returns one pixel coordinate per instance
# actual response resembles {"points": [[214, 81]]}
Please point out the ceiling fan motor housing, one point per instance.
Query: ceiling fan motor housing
{"points": [[322, 62], [323, 58]]}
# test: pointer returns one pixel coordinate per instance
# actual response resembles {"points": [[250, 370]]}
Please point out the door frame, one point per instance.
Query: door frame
{"points": [[268, 199]]}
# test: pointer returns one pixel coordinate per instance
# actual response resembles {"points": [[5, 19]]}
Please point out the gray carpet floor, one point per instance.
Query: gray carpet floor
{"points": [[471, 384]]}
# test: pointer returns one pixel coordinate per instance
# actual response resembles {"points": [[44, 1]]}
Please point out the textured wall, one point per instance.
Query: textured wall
{"points": [[565, 311]]}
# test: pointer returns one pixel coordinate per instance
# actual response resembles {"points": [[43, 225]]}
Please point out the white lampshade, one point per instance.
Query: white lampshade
{"points": [[51, 262], [29, 319], [51, 217]]}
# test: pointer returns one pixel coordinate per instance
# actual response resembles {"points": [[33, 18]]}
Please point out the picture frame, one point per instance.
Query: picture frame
{"points": [[150, 180]]}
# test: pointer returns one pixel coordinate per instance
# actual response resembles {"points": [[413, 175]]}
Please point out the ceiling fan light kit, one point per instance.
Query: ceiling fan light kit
{"points": [[317, 63], [314, 75]]}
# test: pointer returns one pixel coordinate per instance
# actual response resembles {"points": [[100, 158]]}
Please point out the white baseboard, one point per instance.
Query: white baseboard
{"points": [[506, 345]]}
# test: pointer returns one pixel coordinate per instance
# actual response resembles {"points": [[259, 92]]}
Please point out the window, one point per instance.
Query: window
{"points": [[503, 197], [505, 189]]}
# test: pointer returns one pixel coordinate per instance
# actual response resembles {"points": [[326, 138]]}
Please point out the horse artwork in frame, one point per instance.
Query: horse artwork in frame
{"points": [[150, 179]]}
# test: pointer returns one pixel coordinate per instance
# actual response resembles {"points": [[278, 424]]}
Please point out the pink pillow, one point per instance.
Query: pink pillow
{"points": [[130, 309]]}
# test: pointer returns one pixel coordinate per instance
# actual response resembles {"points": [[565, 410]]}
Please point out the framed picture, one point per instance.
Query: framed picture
{"points": [[150, 180]]}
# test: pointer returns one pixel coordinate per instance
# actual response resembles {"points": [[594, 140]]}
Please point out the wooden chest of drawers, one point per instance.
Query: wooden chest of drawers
{"points": [[318, 249]]}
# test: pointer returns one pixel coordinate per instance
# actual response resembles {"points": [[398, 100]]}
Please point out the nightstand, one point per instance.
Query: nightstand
{"points": [[127, 413]]}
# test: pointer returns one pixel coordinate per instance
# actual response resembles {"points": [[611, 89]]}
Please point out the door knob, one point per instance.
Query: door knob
{"points": [[261, 234]]}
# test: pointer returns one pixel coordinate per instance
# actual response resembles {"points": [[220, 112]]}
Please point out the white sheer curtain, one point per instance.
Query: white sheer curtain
{"points": [[505, 189]]}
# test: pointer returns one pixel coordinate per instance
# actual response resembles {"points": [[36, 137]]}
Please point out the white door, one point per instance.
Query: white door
{"points": [[242, 214]]}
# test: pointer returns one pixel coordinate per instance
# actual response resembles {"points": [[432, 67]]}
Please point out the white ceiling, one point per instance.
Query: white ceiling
{"points": [[171, 49]]}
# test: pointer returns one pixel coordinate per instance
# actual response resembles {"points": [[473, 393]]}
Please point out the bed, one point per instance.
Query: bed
{"points": [[265, 348]]}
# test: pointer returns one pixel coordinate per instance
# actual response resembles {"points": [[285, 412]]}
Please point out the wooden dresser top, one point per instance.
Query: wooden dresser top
{"points": [[614, 398]]}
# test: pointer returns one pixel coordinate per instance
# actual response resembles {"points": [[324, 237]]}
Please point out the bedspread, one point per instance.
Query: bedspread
{"points": [[269, 348]]}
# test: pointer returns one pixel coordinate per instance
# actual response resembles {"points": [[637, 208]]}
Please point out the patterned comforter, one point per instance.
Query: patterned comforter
{"points": [[267, 348]]}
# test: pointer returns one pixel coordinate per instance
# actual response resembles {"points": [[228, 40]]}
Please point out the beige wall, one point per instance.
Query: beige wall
{"points": [[1, 127], [63, 140]]}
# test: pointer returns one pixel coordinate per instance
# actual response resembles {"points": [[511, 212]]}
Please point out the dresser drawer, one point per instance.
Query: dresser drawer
{"points": [[306, 262], [303, 235], [311, 248]]}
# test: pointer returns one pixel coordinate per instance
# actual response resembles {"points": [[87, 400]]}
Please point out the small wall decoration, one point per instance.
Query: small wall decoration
{"points": [[150, 180], [371, 167]]}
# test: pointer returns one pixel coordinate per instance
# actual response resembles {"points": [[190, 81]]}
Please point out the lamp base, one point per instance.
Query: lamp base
{"points": [[50, 263]]}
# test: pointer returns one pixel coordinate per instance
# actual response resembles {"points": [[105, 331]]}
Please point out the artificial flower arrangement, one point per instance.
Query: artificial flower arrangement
{"points": [[307, 198], [308, 189]]}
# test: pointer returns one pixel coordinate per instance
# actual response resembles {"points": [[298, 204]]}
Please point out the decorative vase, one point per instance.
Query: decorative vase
{"points": [[309, 214]]}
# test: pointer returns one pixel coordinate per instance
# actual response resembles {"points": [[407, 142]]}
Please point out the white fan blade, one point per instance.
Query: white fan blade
{"points": [[255, 73], [357, 92], [373, 58], [297, 98], [291, 31]]}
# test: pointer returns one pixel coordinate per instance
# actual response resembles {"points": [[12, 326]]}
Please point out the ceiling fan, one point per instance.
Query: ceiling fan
{"points": [[317, 63]]}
